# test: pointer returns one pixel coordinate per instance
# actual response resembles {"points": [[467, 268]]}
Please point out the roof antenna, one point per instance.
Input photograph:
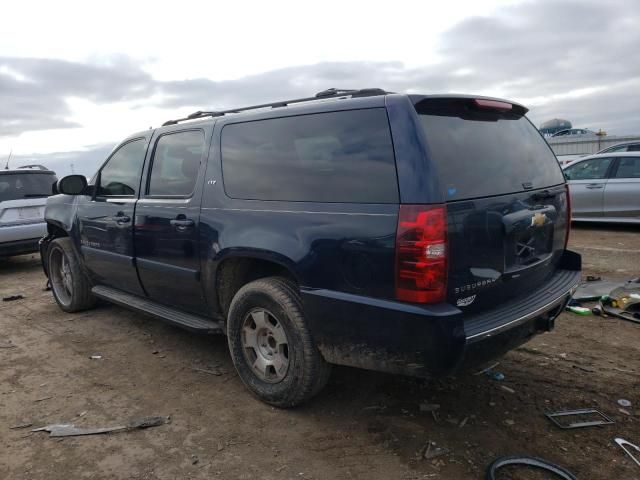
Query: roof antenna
{"points": [[6, 166]]}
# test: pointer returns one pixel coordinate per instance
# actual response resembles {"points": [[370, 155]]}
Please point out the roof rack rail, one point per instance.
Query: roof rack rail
{"points": [[39, 167], [329, 93]]}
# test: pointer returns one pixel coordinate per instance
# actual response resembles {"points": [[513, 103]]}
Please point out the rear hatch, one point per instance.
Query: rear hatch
{"points": [[23, 196], [506, 199]]}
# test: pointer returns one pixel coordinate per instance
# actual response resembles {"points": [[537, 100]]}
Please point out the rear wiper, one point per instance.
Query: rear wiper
{"points": [[35, 195]]}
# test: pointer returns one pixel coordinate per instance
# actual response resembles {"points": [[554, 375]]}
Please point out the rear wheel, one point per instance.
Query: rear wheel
{"points": [[271, 347], [69, 284]]}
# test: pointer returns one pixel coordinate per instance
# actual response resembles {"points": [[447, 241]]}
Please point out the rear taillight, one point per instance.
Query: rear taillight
{"points": [[421, 253], [566, 238]]}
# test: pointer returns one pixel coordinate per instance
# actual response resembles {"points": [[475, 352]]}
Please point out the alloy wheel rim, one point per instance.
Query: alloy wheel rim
{"points": [[61, 276], [265, 345]]}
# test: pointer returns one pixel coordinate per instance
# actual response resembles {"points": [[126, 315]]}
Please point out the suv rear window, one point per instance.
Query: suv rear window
{"points": [[326, 157], [14, 186], [479, 153]]}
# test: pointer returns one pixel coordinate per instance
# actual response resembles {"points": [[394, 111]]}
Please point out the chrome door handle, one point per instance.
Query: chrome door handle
{"points": [[595, 185], [181, 223]]}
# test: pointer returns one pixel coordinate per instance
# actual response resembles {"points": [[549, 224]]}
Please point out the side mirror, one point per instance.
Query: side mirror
{"points": [[72, 185]]}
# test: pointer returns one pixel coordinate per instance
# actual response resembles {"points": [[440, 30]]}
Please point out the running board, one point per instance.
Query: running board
{"points": [[188, 321]]}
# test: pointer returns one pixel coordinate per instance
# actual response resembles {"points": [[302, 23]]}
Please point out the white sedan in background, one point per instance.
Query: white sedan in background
{"points": [[605, 187]]}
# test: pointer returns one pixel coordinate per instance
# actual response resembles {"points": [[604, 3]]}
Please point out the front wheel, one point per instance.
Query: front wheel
{"points": [[271, 347], [69, 284]]}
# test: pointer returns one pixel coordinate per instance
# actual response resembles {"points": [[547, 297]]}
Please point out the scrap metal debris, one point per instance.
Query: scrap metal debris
{"points": [[627, 446], [582, 415], [70, 430], [11, 298]]}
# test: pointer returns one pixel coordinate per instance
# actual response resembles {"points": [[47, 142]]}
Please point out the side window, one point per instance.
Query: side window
{"points": [[176, 162], [633, 148], [593, 169], [121, 175], [325, 157], [628, 168]]}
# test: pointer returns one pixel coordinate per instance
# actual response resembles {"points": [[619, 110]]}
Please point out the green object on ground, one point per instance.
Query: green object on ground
{"points": [[580, 310]]}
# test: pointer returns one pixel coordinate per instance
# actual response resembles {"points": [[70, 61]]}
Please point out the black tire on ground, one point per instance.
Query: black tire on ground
{"points": [[69, 284], [266, 326]]}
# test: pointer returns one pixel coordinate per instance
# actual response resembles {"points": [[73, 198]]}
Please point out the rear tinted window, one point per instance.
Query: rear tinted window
{"points": [[14, 186], [176, 162], [483, 152], [326, 157], [628, 168]]}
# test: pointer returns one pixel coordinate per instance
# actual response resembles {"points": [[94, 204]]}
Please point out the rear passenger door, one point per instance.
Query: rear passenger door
{"points": [[167, 221], [622, 192], [587, 180]]}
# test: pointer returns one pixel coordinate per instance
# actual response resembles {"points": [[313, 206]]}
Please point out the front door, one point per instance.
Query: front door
{"points": [[167, 221], [587, 180], [106, 219]]}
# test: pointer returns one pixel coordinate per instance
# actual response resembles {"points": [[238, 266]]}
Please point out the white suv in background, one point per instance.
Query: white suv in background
{"points": [[23, 197]]}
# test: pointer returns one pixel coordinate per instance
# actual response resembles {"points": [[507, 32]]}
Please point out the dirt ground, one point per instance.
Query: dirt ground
{"points": [[364, 425]]}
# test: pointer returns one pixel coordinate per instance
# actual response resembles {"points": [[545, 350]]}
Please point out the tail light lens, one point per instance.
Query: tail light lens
{"points": [[566, 238], [421, 253]]}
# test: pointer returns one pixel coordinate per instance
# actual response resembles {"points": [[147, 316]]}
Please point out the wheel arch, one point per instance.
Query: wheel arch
{"points": [[236, 268]]}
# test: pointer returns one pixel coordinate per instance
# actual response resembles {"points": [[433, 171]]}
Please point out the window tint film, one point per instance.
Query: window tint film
{"points": [[628, 168], [326, 157], [593, 169], [121, 175], [485, 152], [176, 162], [14, 186]]}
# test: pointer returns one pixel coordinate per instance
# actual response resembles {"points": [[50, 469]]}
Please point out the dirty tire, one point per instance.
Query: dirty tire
{"points": [[70, 289], [307, 371]]}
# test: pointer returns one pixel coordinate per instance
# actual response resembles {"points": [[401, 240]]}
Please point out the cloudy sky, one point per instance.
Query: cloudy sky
{"points": [[75, 77]]}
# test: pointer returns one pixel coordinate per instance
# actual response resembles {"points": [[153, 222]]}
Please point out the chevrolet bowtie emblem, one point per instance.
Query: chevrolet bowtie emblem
{"points": [[538, 220]]}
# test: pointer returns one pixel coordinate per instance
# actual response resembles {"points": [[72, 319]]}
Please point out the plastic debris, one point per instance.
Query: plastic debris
{"points": [[507, 389], [579, 310], [495, 375], [70, 430], [624, 301], [623, 402], [11, 298], [534, 462], [429, 407], [594, 288], [627, 446], [213, 371], [95, 357], [20, 426], [431, 450]]}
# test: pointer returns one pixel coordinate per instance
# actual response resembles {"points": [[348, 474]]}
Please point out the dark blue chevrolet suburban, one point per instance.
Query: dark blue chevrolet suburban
{"points": [[414, 234]]}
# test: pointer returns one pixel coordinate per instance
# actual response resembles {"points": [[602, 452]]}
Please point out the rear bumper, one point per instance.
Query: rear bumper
{"points": [[432, 340]]}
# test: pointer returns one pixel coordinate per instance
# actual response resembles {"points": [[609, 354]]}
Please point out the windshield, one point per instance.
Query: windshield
{"points": [[482, 153], [14, 186]]}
